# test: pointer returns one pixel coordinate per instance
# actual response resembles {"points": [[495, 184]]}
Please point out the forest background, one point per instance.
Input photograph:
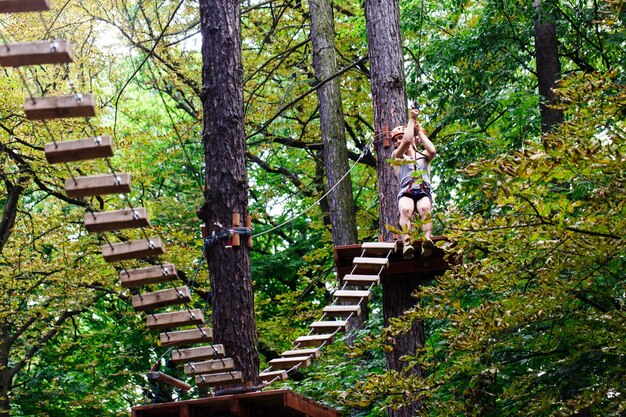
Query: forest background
{"points": [[530, 323]]}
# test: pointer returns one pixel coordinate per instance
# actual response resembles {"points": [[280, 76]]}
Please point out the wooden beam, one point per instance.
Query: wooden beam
{"points": [[166, 379], [342, 310], [97, 185], [187, 337], [197, 353], [269, 376], [227, 378], [116, 220], [134, 249], [145, 276], [314, 352], [379, 247], [352, 295], [236, 222], [370, 263], [209, 367], [79, 150], [290, 362], [157, 299], [19, 6], [175, 319], [358, 280], [329, 326], [315, 340], [36, 53], [77, 105]]}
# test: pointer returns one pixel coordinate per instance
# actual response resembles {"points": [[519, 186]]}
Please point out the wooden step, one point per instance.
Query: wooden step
{"points": [[353, 296], [371, 263], [210, 367], [315, 340], [329, 326], [18, 6], [314, 352], [175, 319], [168, 297], [270, 376], [379, 247], [97, 185], [116, 220], [133, 250], [77, 105], [197, 353], [290, 362], [187, 337], [342, 310], [79, 150], [227, 378], [133, 278], [361, 280], [166, 379], [36, 53]]}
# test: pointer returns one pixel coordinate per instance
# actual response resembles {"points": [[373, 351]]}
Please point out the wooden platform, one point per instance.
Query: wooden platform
{"points": [[344, 257], [278, 403]]}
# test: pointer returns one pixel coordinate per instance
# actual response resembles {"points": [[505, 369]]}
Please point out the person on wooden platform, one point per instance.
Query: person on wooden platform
{"points": [[414, 174]]}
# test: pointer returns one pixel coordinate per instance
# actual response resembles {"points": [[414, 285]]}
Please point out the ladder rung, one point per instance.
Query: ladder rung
{"points": [[78, 105], [168, 297], [361, 280], [379, 247], [36, 53], [175, 319], [79, 150], [227, 378], [315, 340], [213, 366], [150, 275], [197, 353], [290, 362], [326, 326], [187, 337], [273, 375], [342, 310], [18, 6], [166, 379], [133, 250], [314, 352], [116, 220], [352, 295], [98, 185], [370, 262]]}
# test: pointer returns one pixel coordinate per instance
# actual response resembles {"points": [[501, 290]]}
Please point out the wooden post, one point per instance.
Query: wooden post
{"points": [[236, 240], [386, 142], [376, 138], [249, 225]]}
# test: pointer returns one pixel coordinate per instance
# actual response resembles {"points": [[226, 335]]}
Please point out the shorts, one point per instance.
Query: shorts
{"points": [[416, 192]]}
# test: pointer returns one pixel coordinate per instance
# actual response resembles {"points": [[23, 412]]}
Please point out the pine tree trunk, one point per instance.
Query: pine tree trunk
{"points": [[342, 211], [226, 182]]}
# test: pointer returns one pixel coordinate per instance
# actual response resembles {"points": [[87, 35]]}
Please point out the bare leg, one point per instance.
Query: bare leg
{"points": [[424, 208], [406, 206]]}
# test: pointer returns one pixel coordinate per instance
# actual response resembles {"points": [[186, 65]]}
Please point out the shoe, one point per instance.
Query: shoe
{"points": [[408, 251], [427, 248]]}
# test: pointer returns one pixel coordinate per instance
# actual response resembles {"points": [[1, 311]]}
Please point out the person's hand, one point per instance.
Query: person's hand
{"points": [[413, 114]]}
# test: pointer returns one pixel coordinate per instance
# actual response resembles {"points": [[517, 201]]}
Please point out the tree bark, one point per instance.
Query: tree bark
{"points": [[342, 210], [226, 182], [390, 110]]}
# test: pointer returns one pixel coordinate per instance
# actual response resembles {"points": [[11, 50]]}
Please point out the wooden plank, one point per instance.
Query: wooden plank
{"points": [[315, 340], [97, 185], [342, 310], [187, 337], [361, 280], [79, 150], [157, 299], [363, 262], [133, 250], [270, 376], [227, 378], [145, 276], [290, 362], [197, 353], [352, 295], [329, 326], [166, 379], [379, 247], [314, 352], [19, 6], [117, 220], [210, 367], [36, 53], [77, 105], [175, 319]]}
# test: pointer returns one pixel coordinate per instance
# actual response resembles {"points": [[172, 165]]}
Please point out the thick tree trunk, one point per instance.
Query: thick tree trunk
{"points": [[548, 72], [226, 182], [342, 211], [390, 110]]}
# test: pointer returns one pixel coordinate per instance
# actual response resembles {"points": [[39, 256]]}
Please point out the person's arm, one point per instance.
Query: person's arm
{"points": [[428, 145], [407, 139]]}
